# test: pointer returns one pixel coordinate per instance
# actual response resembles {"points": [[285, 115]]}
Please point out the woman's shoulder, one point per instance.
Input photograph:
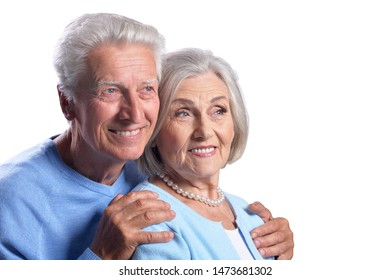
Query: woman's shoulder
{"points": [[241, 209], [163, 195], [146, 185], [236, 200]]}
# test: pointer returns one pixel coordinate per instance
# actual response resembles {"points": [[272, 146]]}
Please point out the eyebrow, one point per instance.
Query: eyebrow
{"points": [[190, 102], [150, 81], [114, 83], [117, 83]]}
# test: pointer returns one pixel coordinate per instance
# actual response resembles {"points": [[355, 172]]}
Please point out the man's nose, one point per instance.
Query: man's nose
{"points": [[131, 108]]}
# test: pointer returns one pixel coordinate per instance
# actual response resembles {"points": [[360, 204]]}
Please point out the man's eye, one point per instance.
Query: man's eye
{"points": [[149, 89], [110, 95], [109, 91]]}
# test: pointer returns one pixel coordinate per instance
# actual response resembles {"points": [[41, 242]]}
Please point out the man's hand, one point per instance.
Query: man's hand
{"points": [[274, 237], [120, 228]]}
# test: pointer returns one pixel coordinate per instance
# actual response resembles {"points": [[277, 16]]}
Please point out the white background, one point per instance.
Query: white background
{"points": [[315, 75]]}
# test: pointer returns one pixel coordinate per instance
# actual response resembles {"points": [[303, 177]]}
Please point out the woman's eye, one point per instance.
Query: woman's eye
{"points": [[220, 111], [182, 113]]}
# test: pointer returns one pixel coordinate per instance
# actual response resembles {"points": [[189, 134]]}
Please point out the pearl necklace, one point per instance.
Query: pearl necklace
{"points": [[198, 197]]}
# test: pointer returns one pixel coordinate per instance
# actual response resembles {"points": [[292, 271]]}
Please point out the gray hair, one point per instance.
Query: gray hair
{"points": [[90, 31], [182, 64]]}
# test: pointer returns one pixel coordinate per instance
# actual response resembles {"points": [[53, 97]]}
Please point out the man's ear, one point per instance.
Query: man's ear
{"points": [[66, 105]]}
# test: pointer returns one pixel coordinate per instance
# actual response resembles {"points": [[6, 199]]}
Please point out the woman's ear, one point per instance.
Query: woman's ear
{"points": [[67, 105]]}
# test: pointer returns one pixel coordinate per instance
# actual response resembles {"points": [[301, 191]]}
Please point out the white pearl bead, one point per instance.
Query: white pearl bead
{"points": [[210, 202]]}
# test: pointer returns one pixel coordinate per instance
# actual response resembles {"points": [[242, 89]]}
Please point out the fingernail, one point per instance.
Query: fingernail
{"points": [[262, 252], [253, 234]]}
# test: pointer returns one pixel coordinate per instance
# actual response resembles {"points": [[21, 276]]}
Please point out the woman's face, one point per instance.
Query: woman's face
{"points": [[196, 137], [117, 118]]}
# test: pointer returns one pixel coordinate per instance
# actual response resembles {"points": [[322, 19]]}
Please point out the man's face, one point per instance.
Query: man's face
{"points": [[115, 120]]}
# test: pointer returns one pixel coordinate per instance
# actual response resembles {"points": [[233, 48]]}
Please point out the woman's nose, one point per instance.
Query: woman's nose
{"points": [[203, 129]]}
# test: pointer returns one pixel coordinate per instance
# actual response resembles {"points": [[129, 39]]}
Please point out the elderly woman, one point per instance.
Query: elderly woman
{"points": [[202, 126]]}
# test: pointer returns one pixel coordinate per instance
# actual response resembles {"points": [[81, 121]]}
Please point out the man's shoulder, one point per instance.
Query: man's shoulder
{"points": [[25, 167]]}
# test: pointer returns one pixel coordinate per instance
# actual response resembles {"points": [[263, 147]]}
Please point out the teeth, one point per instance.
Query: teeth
{"points": [[127, 133], [203, 151]]}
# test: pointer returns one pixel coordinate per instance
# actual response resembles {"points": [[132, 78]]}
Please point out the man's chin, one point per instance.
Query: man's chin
{"points": [[132, 154]]}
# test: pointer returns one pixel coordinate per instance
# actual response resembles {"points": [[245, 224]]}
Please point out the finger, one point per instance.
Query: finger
{"points": [[277, 241], [138, 214], [272, 239], [117, 235], [287, 256], [116, 198], [281, 251], [267, 228], [138, 195], [119, 202], [154, 237], [275, 231], [148, 218], [144, 205], [261, 211]]}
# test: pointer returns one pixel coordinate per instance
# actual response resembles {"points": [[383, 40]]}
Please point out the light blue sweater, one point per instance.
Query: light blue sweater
{"points": [[48, 210], [197, 238]]}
